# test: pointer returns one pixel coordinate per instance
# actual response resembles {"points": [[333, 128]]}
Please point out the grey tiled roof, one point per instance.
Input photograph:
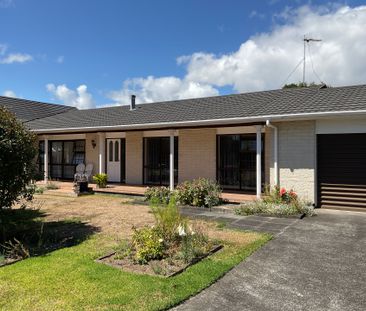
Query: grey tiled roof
{"points": [[27, 110], [257, 104]]}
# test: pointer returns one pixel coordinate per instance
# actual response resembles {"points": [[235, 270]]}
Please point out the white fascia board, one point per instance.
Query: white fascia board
{"points": [[227, 121]]}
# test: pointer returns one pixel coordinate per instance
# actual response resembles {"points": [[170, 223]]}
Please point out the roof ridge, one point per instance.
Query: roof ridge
{"points": [[295, 89]]}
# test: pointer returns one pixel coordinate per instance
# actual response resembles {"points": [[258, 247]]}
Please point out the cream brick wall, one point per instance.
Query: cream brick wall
{"points": [[197, 154], [297, 143], [134, 149], [91, 154], [268, 156]]}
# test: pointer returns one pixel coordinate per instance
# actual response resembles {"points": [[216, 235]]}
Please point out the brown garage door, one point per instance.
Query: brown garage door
{"points": [[341, 170]]}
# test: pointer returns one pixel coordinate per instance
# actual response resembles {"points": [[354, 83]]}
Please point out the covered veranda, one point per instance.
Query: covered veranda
{"points": [[101, 149]]}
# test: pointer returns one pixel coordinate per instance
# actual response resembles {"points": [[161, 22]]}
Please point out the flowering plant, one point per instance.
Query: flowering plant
{"points": [[280, 195]]}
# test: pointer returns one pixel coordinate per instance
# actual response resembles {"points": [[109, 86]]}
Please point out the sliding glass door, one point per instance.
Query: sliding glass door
{"points": [[156, 160], [236, 161], [63, 157]]}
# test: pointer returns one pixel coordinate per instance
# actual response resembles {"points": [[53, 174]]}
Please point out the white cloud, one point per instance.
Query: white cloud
{"points": [[60, 59], [79, 98], [16, 58], [265, 60], [9, 93], [153, 89], [6, 3]]}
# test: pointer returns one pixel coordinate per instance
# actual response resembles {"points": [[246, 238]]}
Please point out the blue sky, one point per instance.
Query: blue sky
{"points": [[102, 44]]}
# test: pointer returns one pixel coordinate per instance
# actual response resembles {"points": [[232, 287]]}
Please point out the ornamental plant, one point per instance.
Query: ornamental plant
{"points": [[280, 195], [101, 180], [171, 238], [198, 192], [17, 166]]}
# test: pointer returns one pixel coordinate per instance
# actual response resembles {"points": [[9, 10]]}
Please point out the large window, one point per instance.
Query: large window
{"points": [[236, 161], [156, 160], [64, 156]]}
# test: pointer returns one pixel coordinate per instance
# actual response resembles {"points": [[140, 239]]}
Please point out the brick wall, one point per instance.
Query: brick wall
{"points": [[91, 155], [297, 157], [134, 145], [197, 154]]}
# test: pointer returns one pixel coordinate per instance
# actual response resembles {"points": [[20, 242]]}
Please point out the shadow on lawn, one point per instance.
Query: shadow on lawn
{"points": [[39, 237]]}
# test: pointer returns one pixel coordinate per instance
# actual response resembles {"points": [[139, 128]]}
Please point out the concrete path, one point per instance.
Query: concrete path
{"points": [[317, 263]]}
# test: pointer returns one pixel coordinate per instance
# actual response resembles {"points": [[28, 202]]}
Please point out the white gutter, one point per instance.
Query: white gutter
{"points": [[274, 118], [275, 151]]}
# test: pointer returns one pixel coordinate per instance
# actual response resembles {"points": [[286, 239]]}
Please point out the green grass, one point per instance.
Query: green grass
{"points": [[69, 279]]}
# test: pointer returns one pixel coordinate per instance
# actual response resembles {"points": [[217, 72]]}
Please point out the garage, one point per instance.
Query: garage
{"points": [[341, 171]]}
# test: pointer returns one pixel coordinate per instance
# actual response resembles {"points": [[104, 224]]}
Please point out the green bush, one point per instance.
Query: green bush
{"points": [[168, 220], [158, 194], [170, 238], [148, 244], [198, 192], [100, 180], [17, 166]]}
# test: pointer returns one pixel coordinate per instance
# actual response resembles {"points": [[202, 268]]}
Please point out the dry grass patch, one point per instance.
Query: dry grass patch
{"points": [[112, 214]]}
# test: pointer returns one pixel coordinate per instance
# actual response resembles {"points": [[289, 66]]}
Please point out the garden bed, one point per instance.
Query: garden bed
{"points": [[277, 203], [166, 267]]}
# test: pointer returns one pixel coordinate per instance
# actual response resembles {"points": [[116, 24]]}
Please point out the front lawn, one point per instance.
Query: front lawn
{"points": [[69, 279]]}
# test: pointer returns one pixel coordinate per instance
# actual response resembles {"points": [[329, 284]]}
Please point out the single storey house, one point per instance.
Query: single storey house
{"points": [[312, 140]]}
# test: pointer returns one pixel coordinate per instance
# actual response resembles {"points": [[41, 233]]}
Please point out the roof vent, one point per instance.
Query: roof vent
{"points": [[133, 102]]}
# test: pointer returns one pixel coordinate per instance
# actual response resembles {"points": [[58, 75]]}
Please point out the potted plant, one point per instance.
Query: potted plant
{"points": [[101, 180]]}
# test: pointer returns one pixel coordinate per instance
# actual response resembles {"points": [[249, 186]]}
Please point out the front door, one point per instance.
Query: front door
{"points": [[114, 159]]}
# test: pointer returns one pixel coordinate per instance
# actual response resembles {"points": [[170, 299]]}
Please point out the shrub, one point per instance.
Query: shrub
{"points": [[274, 209], [170, 238], [280, 195], [33, 188], [199, 192], [147, 244], [168, 220], [194, 244], [17, 166], [100, 180], [158, 194]]}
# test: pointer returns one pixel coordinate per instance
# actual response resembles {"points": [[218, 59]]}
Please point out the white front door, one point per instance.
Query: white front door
{"points": [[114, 160]]}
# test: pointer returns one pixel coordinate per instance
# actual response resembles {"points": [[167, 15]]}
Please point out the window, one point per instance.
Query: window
{"points": [[110, 151], [116, 151], [63, 157]]}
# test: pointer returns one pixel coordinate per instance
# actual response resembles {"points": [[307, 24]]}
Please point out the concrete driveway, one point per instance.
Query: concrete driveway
{"points": [[317, 263]]}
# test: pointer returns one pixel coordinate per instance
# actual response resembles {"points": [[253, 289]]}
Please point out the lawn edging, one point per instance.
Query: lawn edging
{"points": [[242, 254]]}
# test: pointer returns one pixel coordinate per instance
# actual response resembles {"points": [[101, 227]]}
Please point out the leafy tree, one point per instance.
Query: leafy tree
{"points": [[17, 153]]}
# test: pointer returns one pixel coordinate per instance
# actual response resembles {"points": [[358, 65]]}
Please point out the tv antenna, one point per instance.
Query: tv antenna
{"points": [[306, 41]]}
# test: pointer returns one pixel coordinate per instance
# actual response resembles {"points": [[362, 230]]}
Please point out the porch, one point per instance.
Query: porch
{"points": [[66, 188], [235, 156]]}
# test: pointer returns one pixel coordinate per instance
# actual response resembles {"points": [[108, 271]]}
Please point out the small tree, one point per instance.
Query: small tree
{"points": [[17, 153]]}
